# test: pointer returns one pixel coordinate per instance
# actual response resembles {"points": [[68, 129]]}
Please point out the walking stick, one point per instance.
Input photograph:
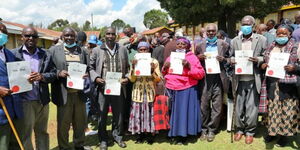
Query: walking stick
{"points": [[233, 117], [11, 123]]}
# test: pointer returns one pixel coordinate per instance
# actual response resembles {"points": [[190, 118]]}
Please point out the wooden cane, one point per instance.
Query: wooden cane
{"points": [[233, 117], [11, 123]]}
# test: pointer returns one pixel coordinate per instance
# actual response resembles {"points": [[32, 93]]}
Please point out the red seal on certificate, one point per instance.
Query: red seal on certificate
{"points": [[209, 70], [15, 88], [107, 91], [137, 72], [70, 83], [239, 70], [270, 72], [171, 70]]}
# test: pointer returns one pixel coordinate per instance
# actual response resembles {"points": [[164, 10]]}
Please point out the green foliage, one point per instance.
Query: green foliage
{"points": [[118, 24], [58, 25], [226, 12], [155, 18], [86, 26]]}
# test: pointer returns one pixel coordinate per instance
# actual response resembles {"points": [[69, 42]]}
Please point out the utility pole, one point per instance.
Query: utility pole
{"points": [[92, 19]]}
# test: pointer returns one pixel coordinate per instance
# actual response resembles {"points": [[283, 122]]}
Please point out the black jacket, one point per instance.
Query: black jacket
{"points": [[46, 68]]}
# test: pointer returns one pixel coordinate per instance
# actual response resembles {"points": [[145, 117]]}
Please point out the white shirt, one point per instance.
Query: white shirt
{"points": [[2, 55]]}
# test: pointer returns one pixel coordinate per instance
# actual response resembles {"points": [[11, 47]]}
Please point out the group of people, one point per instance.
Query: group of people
{"points": [[194, 98]]}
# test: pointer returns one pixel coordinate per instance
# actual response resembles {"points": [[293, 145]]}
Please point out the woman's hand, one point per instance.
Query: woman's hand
{"points": [[186, 64], [290, 68], [264, 66]]}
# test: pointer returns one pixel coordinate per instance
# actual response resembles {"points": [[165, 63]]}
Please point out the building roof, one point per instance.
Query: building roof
{"points": [[89, 33], [154, 30], [16, 28]]}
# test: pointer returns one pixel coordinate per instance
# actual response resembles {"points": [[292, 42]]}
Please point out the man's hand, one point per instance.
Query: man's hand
{"points": [[35, 76], [253, 59], [85, 75], [63, 74], [124, 80], [232, 61], [201, 57], [220, 58], [100, 81], [264, 66], [4, 91], [186, 64], [290, 68]]}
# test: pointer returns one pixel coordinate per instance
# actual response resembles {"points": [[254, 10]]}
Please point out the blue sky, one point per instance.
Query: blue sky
{"points": [[104, 11], [117, 4]]}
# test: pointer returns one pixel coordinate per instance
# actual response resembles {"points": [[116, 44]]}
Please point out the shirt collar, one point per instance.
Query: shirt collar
{"points": [[249, 39], [24, 48], [2, 49]]}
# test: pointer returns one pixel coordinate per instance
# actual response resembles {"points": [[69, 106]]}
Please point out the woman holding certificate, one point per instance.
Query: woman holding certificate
{"points": [[283, 102], [141, 116], [181, 83]]}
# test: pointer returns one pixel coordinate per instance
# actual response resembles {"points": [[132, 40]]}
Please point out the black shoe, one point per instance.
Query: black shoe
{"points": [[103, 146], [282, 141], [210, 137], [83, 148], [180, 141], [150, 141], [139, 140], [269, 138], [203, 136], [121, 144]]}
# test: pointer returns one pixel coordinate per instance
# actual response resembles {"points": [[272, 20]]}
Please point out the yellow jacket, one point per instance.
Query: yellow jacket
{"points": [[144, 84]]}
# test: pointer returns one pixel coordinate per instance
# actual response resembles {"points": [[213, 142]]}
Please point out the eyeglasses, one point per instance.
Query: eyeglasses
{"points": [[110, 33], [33, 36]]}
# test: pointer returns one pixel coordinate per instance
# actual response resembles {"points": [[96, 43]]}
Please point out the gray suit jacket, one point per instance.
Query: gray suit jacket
{"points": [[259, 44], [223, 47], [58, 87], [97, 60]]}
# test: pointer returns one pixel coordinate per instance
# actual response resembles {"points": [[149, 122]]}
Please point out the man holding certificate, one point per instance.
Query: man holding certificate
{"points": [[247, 78], [35, 102], [13, 103], [70, 101], [211, 54], [283, 101], [108, 69]]}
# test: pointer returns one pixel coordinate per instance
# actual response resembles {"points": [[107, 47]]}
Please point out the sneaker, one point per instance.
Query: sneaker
{"points": [[282, 142], [269, 138]]}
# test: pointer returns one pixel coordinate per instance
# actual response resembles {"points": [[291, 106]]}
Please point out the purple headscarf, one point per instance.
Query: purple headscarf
{"points": [[143, 44], [185, 40]]}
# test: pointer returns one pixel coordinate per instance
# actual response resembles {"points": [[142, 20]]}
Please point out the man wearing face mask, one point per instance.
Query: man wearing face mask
{"points": [[13, 103], [110, 57], [71, 108], [213, 85], [246, 88], [35, 102]]}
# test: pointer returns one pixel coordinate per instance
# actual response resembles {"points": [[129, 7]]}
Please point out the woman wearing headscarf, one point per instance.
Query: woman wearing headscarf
{"points": [[283, 102], [182, 90], [143, 93]]}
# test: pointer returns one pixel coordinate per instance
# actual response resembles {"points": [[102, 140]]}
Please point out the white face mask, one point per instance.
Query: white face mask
{"points": [[181, 50]]}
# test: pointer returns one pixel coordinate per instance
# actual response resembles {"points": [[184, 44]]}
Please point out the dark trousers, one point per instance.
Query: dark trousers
{"points": [[246, 107], [211, 103], [117, 105]]}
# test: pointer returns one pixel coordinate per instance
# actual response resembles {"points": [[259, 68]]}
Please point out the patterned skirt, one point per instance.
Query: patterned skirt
{"points": [[283, 116], [141, 118]]}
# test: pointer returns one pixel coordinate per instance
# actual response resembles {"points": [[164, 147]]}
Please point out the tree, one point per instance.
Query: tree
{"points": [[102, 31], [58, 25], [86, 26], [118, 24], [226, 12], [155, 18], [75, 26]]}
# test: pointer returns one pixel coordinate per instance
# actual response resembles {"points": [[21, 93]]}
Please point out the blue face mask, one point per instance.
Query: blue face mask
{"points": [[70, 45], [214, 39], [246, 30], [3, 39], [281, 40]]}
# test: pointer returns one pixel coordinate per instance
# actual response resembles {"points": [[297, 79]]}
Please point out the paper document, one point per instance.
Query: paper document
{"points": [[143, 66], [276, 65], [176, 62], [243, 65], [18, 73], [76, 72], [212, 65], [112, 83]]}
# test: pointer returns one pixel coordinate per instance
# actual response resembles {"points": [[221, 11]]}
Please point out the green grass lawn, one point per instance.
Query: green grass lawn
{"points": [[221, 142]]}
